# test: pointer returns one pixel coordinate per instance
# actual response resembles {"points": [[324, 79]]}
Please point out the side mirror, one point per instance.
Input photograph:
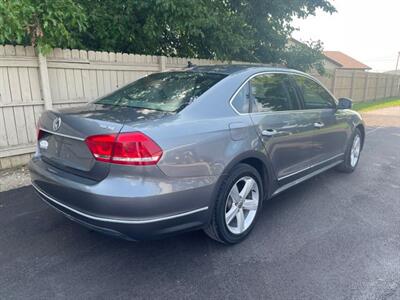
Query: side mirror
{"points": [[345, 103]]}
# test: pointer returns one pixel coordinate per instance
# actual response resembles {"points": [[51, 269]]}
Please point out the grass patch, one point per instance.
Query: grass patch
{"points": [[372, 105]]}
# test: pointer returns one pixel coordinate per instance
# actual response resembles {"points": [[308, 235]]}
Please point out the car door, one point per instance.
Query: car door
{"points": [[332, 128], [285, 130]]}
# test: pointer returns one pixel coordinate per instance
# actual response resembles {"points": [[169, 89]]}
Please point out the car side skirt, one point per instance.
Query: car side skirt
{"points": [[307, 176]]}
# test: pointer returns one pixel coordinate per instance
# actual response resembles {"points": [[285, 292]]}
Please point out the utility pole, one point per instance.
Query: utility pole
{"points": [[398, 59], [397, 66]]}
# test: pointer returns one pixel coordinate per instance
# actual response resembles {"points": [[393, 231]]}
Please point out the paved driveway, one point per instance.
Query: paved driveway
{"points": [[336, 236]]}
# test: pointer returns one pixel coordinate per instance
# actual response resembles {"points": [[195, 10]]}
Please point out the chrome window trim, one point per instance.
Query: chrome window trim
{"points": [[279, 72], [335, 102], [119, 221], [310, 167], [63, 135], [304, 178]]}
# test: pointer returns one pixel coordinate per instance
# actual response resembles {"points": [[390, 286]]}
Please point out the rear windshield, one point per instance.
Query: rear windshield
{"points": [[169, 91]]}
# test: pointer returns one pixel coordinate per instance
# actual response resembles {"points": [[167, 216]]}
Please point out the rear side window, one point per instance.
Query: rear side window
{"points": [[314, 95], [241, 100], [169, 91], [272, 92]]}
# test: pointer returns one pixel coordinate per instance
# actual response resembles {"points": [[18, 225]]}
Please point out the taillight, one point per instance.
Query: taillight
{"points": [[101, 146], [39, 134], [131, 148]]}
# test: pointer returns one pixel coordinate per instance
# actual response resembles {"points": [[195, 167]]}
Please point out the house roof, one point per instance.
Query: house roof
{"points": [[345, 61]]}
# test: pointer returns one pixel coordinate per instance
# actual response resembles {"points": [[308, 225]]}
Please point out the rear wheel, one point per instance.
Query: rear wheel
{"points": [[352, 154], [237, 206]]}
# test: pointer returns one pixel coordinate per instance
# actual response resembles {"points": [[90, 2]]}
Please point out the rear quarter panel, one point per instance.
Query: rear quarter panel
{"points": [[199, 148]]}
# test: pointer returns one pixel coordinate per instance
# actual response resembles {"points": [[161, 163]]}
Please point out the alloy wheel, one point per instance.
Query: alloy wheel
{"points": [[241, 205], [355, 150]]}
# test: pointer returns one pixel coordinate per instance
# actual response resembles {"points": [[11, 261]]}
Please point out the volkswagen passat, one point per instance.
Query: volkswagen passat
{"points": [[194, 149]]}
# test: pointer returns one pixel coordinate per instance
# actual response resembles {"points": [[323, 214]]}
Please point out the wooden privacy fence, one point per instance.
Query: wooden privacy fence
{"points": [[29, 84], [362, 86]]}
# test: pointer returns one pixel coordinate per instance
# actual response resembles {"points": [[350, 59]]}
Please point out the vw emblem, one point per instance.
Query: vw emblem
{"points": [[56, 123]]}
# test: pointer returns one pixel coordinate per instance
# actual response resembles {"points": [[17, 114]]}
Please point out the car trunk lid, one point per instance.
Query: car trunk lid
{"points": [[62, 135]]}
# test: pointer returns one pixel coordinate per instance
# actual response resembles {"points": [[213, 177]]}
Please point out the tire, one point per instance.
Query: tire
{"points": [[231, 205], [349, 165]]}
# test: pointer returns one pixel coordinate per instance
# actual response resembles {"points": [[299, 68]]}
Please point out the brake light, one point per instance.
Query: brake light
{"points": [[39, 134], [101, 146], [131, 148]]}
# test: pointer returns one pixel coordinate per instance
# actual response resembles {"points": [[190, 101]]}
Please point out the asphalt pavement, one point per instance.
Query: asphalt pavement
{"points": [[336, 236]]}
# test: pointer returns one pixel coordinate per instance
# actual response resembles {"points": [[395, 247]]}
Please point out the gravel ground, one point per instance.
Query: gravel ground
{"points": [[14, 178], [389, 116]]}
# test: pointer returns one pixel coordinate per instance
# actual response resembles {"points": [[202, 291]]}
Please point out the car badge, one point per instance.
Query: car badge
{"points": [[56, 123], [43, 144]]}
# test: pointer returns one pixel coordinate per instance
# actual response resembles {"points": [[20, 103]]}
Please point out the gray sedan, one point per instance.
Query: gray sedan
{"points": [[194, 149]]}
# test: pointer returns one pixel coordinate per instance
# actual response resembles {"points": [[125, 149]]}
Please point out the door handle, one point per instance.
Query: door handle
{"points": [[269, 132], [319, 124]]}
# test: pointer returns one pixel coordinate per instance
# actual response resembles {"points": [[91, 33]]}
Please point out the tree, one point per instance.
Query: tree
{"points": [[305, 56], [194, 28], [247, 30], [44, 23]]}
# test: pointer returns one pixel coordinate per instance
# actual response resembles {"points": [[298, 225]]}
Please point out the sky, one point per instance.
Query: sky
{"points": [[367, 30]]}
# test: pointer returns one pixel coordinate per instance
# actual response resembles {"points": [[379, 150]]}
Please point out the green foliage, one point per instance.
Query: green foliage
{"points": [[195, 28], [247, 30], [305, 56], [44, 23], [376, 104]]}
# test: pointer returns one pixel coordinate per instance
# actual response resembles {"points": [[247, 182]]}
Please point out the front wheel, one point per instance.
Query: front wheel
{"points": [[237, 206], [352, 155]]}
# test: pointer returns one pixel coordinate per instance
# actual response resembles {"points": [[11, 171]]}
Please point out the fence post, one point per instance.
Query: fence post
{"points": [[353, 75], [377, 86], [393, 88], [386, 83], [398, 86], [334, 82], [366, 87], [44, 81], [162, 62]]}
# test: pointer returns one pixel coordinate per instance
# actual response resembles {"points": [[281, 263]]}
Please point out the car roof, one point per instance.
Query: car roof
{"points": [[235, 68]]}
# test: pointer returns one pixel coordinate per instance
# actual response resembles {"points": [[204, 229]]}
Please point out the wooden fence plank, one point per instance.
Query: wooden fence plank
{"points": [[15, 85], [37, 111], [20, 125], [3, 136], [86, 84], [30, 123], [94, 93], [79, 84], [69, 75], [25, 85], [120, 79], [35, 84], [11, 130], [107, 81], [54, 86], [62, 84], [100, 82], [5, 93], [113, 80]]}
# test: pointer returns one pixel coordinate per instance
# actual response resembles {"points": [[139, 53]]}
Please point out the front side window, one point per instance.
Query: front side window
{"points": [[272, 92], [169, 91], [314, 95]]}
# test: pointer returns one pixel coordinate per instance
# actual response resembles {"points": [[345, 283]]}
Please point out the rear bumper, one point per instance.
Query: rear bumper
{"points": [[109, 208]]}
